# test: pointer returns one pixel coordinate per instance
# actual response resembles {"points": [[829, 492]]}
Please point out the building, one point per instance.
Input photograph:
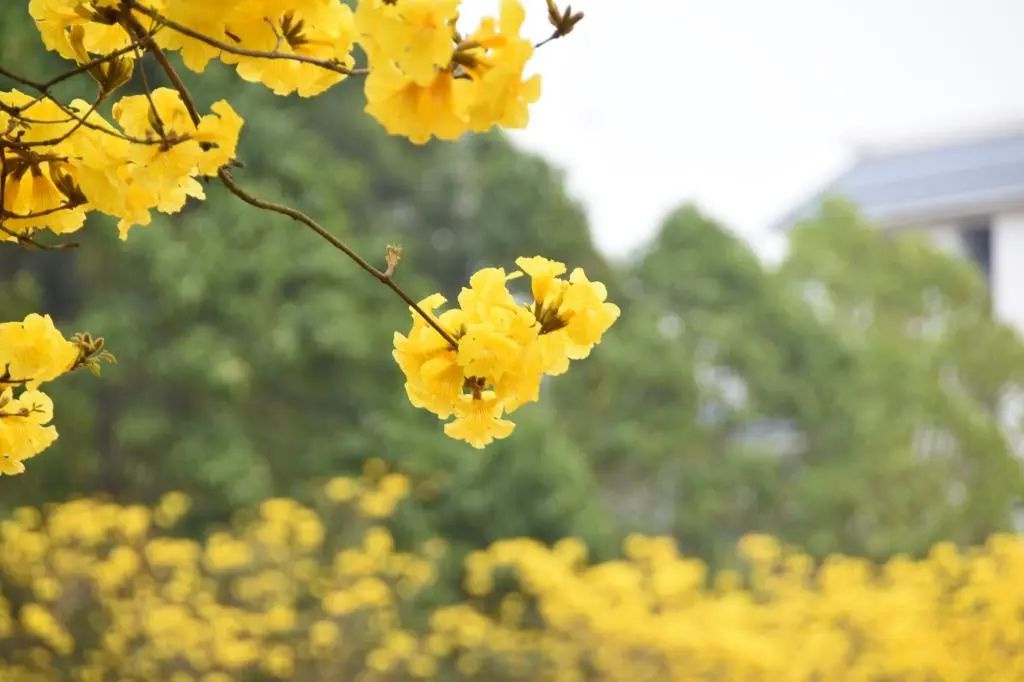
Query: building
{"points": [[967, 194]]}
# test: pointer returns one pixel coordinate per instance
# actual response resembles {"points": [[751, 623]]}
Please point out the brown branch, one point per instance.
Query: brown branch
{"points": [[38, 214], [79, 122], [25, 239], [146, 37], [15, 113], [330, 65], [44, 87], [381, 276], [88, 65]]}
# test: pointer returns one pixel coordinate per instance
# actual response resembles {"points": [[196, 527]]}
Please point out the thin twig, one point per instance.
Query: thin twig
{"points": [[381, 276], [88, 65], [140, 31], [38, 214], [554, 36], [60, 138], [158, 121]]}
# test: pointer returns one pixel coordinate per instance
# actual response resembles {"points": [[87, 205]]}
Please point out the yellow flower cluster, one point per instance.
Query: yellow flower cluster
{"points": [[32, 352], [425, 78], [91, 590], [504, 348], [57, 168]]}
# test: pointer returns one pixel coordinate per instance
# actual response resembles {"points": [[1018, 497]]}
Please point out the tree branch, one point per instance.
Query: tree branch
{"points": [[381, 276]]}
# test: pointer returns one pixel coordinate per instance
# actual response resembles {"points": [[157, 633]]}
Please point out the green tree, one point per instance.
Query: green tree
{"points": [[849, 401]]}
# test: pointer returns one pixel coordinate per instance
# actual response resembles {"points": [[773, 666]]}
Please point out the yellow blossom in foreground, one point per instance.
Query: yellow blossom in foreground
{"points": [[163, 175], [426, 81], [574, 314], [503, 348], [478, 420], [315, 29], [102, 34], [34, 351], [418, 111], [209, 19], [23, 428], [501, 95], [417, 36], [150, 159], [40, 189]]}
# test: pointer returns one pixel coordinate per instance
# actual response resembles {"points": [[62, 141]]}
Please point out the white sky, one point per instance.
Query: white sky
{"points": [[747, 106]]}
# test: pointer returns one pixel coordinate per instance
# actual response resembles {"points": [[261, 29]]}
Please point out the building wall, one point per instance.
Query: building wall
{"points": [[1008, 268], [946, 236]]}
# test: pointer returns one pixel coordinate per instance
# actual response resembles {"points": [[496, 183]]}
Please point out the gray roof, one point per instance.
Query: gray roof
{"points": [[956, 179]]}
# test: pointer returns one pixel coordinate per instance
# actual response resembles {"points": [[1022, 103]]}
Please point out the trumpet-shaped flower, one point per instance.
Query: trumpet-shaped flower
{"points": [[23, 428], [316, 29], [417, 36], [34, 351], [478, 419]]}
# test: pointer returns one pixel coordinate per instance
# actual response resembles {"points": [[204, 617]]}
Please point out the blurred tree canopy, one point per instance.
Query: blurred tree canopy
{"points": [[850, 400]]}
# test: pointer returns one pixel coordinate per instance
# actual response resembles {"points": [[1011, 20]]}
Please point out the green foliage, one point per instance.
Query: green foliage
{"points": [[850, 401]]}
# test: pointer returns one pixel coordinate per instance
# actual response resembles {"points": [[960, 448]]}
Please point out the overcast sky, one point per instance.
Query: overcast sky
{"points": [[747, 106]]}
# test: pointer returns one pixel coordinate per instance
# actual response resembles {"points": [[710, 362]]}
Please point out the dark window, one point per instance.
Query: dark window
{"points": [[977, 240]]}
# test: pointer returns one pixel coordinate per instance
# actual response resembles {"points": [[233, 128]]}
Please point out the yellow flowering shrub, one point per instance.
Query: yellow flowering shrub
{"points": [[92, 590]]}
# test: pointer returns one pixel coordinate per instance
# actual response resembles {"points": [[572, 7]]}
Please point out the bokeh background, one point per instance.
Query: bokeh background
{"points": [[851, 392]]}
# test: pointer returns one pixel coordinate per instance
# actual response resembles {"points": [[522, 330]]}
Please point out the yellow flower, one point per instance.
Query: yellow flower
{"points": [[544, 275], [433, 377], [341, 489], [497, 330], [218, 137], [208, 18], [418, 111], [160, 175], [417, 36], [102, 34], [478, 420], [587, 313], [573, 315], [319, 30], [323, 635], [501, 96], [41, 182], [23, 428], [171, 507], [34, 351]]}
